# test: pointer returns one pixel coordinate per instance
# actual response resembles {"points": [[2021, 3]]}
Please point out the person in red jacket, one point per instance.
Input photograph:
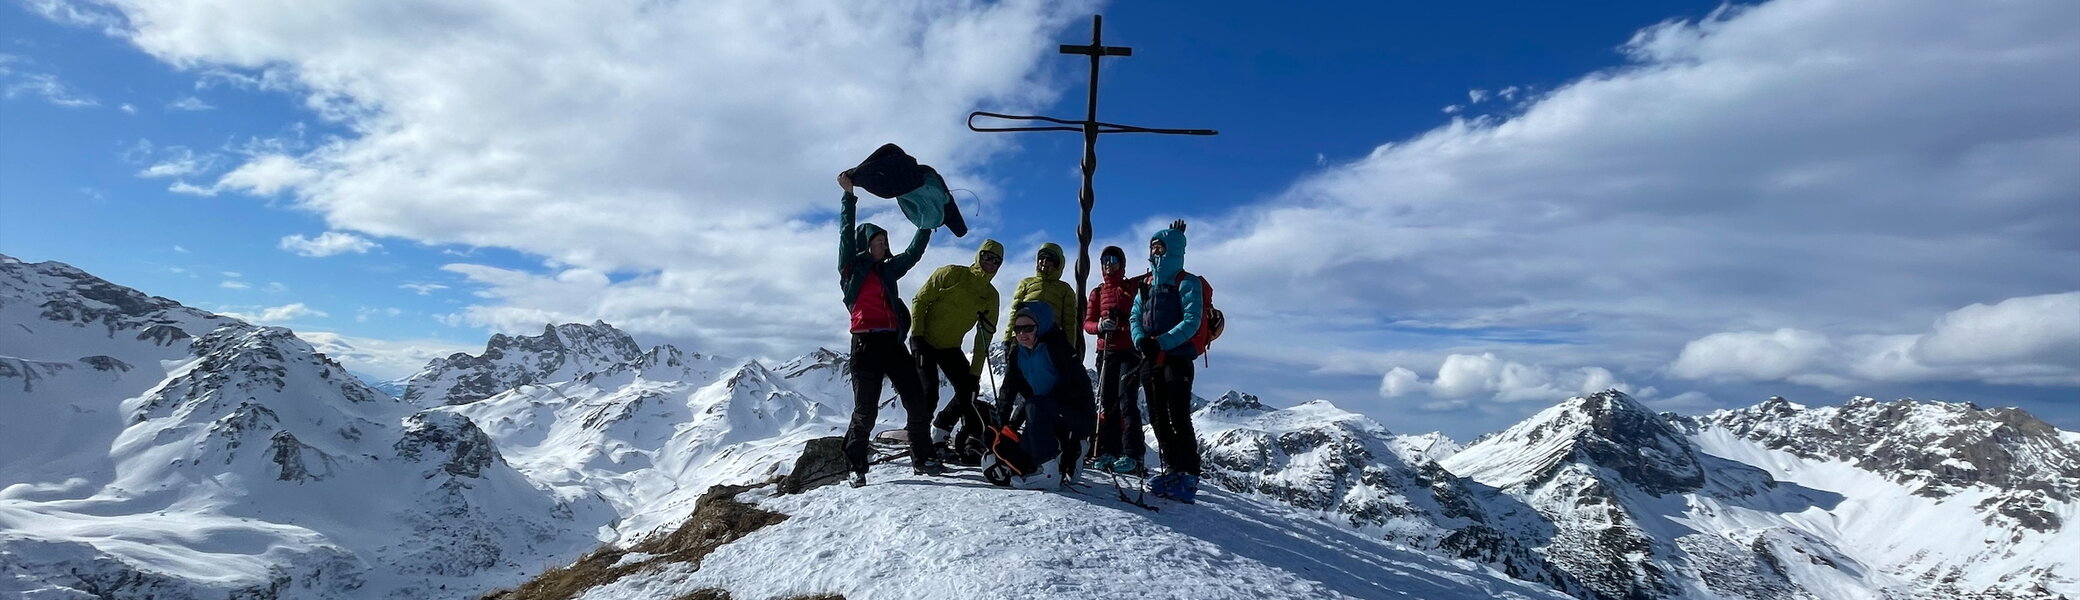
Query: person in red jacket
{"points": [[868, 274], [1120, 443]]}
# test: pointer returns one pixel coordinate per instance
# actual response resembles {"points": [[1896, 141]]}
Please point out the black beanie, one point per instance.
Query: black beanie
{"points": [[1112, 251]]}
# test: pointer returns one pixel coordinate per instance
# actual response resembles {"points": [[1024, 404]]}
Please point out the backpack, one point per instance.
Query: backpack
{"points": [[1211, 322]]}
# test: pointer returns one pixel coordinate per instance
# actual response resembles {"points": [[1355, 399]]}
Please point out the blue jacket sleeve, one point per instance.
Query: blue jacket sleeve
{"points": [[1134, 318], [1194, 300]]}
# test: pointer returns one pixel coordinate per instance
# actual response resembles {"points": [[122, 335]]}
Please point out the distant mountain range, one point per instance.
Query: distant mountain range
{"points": [[151, 450]]}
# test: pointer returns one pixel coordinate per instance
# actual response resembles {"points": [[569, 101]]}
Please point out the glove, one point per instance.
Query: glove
{"points": [[983, 326], [1148, 347], [1106, 326]]}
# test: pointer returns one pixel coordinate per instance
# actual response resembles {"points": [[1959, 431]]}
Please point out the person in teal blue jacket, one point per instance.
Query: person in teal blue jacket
{"points": [[1165, 316]]}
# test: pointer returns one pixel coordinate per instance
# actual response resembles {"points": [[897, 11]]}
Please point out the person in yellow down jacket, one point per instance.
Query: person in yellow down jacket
{"points": [[955, 299], [1046, 285]]}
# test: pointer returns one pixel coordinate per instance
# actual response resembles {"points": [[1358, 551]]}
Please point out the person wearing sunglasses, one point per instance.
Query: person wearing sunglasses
{"points": [[868, 274], [1120, 444], [1042, 369], [1046, 285], [955, 299]]}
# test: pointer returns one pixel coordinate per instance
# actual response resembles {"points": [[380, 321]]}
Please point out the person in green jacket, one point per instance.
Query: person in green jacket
{"points": [[953, 300], [1046, 285]]}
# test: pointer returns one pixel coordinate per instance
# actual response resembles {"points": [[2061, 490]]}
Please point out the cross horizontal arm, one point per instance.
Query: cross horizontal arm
{"points": [[1068, 125], [1097, 50]]}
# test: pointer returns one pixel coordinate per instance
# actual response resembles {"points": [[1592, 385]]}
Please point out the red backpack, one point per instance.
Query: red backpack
{"points": [[1211, 321]]}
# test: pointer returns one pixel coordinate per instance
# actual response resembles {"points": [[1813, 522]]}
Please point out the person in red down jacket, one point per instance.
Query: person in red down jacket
{"points": [[1120, 443]]}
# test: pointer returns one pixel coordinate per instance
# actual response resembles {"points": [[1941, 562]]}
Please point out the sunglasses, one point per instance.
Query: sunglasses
{"points": [[1024, 328], [991, 257], [1111, 260]]}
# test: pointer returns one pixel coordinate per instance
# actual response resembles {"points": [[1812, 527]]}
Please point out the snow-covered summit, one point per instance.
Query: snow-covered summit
{"points": [[560, 353], [1607, 429]]}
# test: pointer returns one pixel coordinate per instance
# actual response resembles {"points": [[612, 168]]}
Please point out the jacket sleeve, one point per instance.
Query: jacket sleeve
{"points": [[1090, 318], [1188, 291], [928, 297], [848, 207], [1134, 317], [979, 353], [903, 262], [1065, 316]]}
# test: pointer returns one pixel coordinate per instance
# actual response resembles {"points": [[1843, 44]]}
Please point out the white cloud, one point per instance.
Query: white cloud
{"points": [[45, 86], [1831, 168], [267, 175], [1476, 96], [363, 315], [179, 161], [189, 103], [1464, 376], [233, 274], [327, 244], [2031, 340], [612, 152], [234, 285], [183, 187], [128, 108], [75, 13], [275, 315], [178, 248], [382, 359], [423, 289], [1752, 355]]}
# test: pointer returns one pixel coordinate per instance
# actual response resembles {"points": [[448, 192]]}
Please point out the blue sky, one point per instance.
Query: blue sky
{"points": [[1445, 216]]}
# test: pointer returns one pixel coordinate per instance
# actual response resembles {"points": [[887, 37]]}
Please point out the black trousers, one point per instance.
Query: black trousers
{"points": [[877, 355], [1119, 395], [1169, 389], [962, 408]]}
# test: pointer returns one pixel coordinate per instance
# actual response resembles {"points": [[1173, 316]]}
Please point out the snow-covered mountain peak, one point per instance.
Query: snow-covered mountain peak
{"points": [[1606, 429], [1937, 449], [1237, 404], [560, 353]]}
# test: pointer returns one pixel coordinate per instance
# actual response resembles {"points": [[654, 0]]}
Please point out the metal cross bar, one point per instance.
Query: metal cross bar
{"points": [[1091, 127]]}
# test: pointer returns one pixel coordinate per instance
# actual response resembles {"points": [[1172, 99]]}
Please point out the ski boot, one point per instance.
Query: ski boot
{"points": [[856, 479]]}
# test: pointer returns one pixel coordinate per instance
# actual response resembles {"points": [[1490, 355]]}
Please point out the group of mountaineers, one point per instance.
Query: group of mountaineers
{"points": [[1049, 421]]}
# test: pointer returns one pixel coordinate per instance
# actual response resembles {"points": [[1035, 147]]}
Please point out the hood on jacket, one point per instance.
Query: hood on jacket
{"points": [[1041, 314], [1054, 274], [863, 236], [1173, 254], [989, 246]]}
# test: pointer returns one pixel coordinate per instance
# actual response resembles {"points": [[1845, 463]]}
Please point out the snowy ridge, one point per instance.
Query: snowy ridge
{"points": [[1948, 530], [239, 462], [560, 353]]}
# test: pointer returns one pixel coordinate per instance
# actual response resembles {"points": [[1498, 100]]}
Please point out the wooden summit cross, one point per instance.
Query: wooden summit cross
{"points": [[1091, 127]]}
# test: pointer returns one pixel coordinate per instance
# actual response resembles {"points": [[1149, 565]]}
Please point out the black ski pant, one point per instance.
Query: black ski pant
{"points": [[877, 355], [1169, 389], [962, 409], [1119, 395]]}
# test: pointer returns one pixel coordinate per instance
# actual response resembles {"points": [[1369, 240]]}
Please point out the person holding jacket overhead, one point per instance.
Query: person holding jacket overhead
{"points": [[953, 300], [868, 274]]}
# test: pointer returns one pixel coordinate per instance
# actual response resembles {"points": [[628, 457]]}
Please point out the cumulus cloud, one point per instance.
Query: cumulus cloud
{"points": [[276, 314], [614, 153], [2031, 340], [1465, 376], [1825, 168], [327, 244]]}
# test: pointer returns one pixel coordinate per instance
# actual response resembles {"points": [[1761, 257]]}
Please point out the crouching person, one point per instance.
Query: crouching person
{"points": [[1042, 369]]}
